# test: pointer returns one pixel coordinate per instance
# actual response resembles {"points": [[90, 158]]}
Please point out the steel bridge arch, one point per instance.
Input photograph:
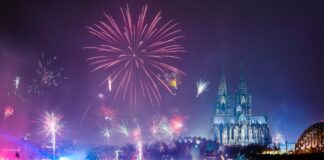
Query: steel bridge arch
{"points": [[312, 139]]}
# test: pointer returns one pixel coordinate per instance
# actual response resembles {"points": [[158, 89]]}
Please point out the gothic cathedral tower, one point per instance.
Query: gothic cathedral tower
{"points": [[223, 106], [242, 98]]}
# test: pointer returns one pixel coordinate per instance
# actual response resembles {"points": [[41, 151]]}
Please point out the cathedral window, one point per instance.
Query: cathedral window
{"points": [[238, 108], [223, 100], [243, 99]]}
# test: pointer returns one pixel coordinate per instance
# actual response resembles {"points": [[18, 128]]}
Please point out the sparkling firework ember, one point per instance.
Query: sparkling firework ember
{"points": [[174, 83], [101, 96], [135, 53], [172, 79], [47, 76], [202, 86], [52, 127]]}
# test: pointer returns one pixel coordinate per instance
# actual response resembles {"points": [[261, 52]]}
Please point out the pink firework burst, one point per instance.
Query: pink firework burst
{"points": [[8, 111], [177, 123], [135, 52], [107, 112]]}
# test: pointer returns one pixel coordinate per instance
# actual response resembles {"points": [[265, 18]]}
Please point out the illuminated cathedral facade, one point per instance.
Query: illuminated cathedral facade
{"points": [[233, 123]]}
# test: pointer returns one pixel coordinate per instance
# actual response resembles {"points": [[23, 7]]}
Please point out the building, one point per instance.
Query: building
{"points": [[312, 139], [235, 124]]}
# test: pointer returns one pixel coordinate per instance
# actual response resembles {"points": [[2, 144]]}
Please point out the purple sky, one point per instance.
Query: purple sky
{"points": [[279, 42]]}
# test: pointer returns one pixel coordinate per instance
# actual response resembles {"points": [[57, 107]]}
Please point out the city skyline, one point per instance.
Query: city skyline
{"points": [[279, 43]]}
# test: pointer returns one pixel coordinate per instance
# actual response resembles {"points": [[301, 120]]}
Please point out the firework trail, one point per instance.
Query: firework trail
{"points": [[137, 134], [202, 86], [47, 76], [85, 114], [135, 53], [109, 84], [16, 84], [90, 106], [52, 127], [140, 149]]}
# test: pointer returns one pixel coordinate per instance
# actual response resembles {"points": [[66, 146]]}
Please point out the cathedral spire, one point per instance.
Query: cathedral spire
{"points": [[242, 85], [222, 88], [243, 99], [223, 99]]}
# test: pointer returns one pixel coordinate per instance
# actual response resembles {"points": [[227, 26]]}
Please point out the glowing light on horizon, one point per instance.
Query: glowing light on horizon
{"points": [[278, 138], [135, 53], [202, 86]]}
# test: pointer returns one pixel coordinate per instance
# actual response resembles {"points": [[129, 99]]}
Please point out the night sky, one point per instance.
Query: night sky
{"points": [[280, 44]]}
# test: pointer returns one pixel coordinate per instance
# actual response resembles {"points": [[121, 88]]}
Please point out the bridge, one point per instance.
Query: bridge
{"points": [[311, 140]]}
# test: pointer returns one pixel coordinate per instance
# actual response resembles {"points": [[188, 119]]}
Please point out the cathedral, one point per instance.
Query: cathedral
{"points": [[235, 124]]}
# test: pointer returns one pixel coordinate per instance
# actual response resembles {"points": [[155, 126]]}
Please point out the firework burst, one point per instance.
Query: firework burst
{"points": [[107, 112], [8, 111], [122, 128], [47, 76], [106, 133], [165, 129], [160, 128], [176, 123], [52, 127], [278, 138], [135, 53], [202, 86]]}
